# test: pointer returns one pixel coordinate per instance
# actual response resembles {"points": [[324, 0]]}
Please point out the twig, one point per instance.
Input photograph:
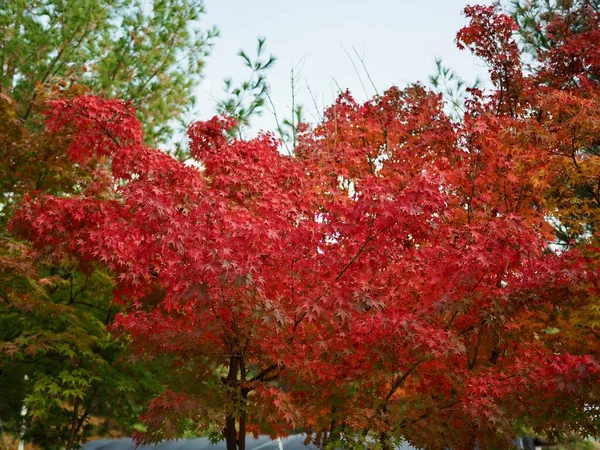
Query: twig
{"points": [[277, 123], [357, 72], [366, 70]]}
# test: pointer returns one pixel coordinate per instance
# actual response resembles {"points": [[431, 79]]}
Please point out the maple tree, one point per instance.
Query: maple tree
{"points": [[273, 217], [394, 279], [363, 278], [455, 302], [555, 56]]}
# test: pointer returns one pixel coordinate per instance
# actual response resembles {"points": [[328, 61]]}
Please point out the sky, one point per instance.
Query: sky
{"points": [[398, 41]]}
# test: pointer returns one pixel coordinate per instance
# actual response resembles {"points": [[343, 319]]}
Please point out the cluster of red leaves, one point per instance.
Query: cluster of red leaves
{"points": [[97, 128]]}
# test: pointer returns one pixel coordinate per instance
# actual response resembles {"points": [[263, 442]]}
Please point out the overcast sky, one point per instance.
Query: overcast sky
{"points": [[398, 41]]}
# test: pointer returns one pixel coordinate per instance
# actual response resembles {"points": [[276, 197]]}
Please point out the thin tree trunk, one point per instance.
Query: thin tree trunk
{"points": [[74, 427], [242, 431], [384, 438], [384, 441], [229, 431], [334, 433]]}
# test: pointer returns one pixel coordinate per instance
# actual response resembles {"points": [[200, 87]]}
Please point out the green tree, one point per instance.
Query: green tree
{"points": [[151, 53], [56, 356], [535, 19], [246, 100]]}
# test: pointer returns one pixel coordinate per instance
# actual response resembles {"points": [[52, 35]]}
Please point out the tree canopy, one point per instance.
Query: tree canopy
{"points": [[399, 276], [393, 279]]}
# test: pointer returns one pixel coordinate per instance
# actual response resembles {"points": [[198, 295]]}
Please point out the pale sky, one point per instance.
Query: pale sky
{"points": [[398, 41]]}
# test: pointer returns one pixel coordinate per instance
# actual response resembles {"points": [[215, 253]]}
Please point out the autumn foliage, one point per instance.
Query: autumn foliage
{"points": [[396, 278]]}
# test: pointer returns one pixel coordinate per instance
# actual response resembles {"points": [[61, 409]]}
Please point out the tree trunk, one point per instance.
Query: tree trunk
{"points": [[74, 427], [230, 382], [384, 441], [230, 433], [334, 432], [242, 431], [384, 437]]}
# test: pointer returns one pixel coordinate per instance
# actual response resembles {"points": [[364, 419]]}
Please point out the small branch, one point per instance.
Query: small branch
{"points": [[263, 374], [473, 361], [399, 381], [366, 70], [357, 72], [277, 123], [424, 415], [362, 249]]}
